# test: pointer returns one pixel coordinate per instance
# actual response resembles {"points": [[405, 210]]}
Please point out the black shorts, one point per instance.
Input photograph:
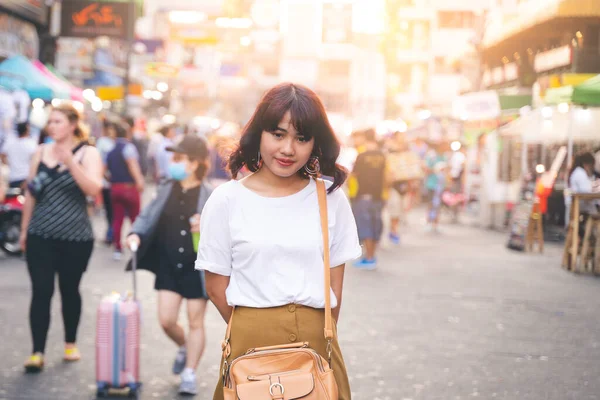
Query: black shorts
{"points": [[185, 281]]}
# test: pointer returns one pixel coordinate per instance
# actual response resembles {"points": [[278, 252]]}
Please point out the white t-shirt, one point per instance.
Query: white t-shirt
{"points": [[457, 162], [580, 182], [272, 247], [19, 153]]}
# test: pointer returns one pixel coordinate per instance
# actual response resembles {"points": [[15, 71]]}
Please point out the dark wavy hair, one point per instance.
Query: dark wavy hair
{"points": [[308, 117]]}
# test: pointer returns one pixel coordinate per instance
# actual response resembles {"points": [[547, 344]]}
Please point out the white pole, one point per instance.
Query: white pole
{"points": [[570, 142]]}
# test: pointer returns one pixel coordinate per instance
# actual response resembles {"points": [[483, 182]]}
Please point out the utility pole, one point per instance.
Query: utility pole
{"points": [[129, 46]]}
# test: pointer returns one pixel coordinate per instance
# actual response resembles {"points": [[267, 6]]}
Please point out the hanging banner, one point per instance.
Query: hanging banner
{"points": [[93, 19]]}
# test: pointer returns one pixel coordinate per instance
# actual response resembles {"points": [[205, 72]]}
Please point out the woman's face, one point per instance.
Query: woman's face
{"points": [[59, 127], [285, 151], [190, 166]]}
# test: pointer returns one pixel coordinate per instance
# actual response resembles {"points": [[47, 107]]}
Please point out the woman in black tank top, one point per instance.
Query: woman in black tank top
{"points": [[56, 232]]}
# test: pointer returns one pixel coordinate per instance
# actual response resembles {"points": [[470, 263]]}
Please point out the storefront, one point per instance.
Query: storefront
{"points": [[22, 22]]}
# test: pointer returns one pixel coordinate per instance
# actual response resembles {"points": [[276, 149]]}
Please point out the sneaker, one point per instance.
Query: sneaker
{"points": [[394, 238], [117, 255], [180, 360], [35, 363], [366, 264], [188, 384]]}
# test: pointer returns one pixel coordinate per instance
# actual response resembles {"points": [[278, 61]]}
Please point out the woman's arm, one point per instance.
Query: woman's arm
{"points": [[133, 166], [88, 173], [215, 287], [337, 285], [29, 199]]}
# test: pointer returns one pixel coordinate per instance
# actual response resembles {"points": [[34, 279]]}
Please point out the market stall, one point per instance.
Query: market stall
{"points": [[33, 81]]}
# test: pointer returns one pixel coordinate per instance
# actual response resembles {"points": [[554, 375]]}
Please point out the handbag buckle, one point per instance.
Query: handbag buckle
{"points": [[274, 385]]}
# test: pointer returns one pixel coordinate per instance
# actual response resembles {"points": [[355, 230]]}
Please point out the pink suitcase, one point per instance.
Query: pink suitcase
{"points": [[118, 342]]}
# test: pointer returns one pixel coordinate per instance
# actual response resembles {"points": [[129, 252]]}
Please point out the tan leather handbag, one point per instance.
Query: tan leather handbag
{"points": [[289, 371]]}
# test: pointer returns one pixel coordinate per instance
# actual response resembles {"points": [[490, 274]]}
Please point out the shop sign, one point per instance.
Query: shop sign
{"points": [[161, 70], [477, 106], [93, 19], [556, 58], [18, 38], [112, 93], [511, 72], [34, 10]]}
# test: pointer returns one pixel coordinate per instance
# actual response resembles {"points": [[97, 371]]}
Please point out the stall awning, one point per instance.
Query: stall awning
{"points": [[21, 73], [535, 128], [588, 93], [514, 102], [559, 95], [532, 14]]}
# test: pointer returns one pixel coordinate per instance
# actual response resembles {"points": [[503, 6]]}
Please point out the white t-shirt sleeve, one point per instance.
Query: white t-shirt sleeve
{"points": [[344, 246], [130, 152], [214, 250]]}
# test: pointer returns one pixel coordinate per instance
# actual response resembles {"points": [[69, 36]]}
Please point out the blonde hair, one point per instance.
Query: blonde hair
{"points": [[81, 131]]}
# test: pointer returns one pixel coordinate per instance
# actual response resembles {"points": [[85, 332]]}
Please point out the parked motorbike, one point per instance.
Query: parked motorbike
{"points": [[11, 211]]}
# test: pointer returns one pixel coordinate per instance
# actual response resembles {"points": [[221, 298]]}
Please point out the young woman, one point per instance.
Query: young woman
{"points": [[260, 241], [164, 232], [56, 230]]}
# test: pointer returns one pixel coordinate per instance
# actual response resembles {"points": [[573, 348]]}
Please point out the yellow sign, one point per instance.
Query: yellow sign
{"points": [[111, 93], [161, 70]]}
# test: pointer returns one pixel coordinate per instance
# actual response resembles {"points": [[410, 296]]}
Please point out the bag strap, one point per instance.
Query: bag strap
{"points": [[328, 331], [322, 196]]}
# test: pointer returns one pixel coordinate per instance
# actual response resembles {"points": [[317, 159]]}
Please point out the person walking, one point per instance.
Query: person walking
{"points": [[164, 232], [260, 241], [405, 171], [126, 184], [56, 232], [105, 144], [17, 155], [370, 172], [161, 156]]}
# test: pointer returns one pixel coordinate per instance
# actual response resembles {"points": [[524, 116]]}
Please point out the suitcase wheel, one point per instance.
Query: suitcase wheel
{"points": [[134, 390], [102, 390]]}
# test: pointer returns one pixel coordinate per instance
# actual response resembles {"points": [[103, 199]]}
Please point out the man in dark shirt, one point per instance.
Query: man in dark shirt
{"points": [[370, 174]]}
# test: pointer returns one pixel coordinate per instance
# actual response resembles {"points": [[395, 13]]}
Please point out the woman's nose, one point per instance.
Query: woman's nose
{"points": [[288, 147]]}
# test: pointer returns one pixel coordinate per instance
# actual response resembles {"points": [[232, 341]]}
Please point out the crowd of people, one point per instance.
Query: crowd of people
{"points": [[391, 175]]}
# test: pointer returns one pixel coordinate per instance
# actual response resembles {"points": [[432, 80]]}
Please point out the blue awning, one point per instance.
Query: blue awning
{"points": [[19, 73]]}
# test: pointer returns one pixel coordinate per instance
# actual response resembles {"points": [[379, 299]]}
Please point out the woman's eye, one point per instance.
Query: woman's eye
{"points": [[277, 135], [303, 139]]}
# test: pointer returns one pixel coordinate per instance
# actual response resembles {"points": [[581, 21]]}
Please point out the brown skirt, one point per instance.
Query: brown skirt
{"points": [[259, 327]]}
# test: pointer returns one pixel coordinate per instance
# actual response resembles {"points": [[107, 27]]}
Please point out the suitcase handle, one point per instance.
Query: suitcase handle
{"points": [[134, 249]]}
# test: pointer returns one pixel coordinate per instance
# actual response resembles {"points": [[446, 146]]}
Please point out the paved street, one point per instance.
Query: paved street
{"points": [[452, 316]]}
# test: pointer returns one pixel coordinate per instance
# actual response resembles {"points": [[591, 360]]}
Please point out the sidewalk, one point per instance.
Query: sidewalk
{"points": [[450, 316]]}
